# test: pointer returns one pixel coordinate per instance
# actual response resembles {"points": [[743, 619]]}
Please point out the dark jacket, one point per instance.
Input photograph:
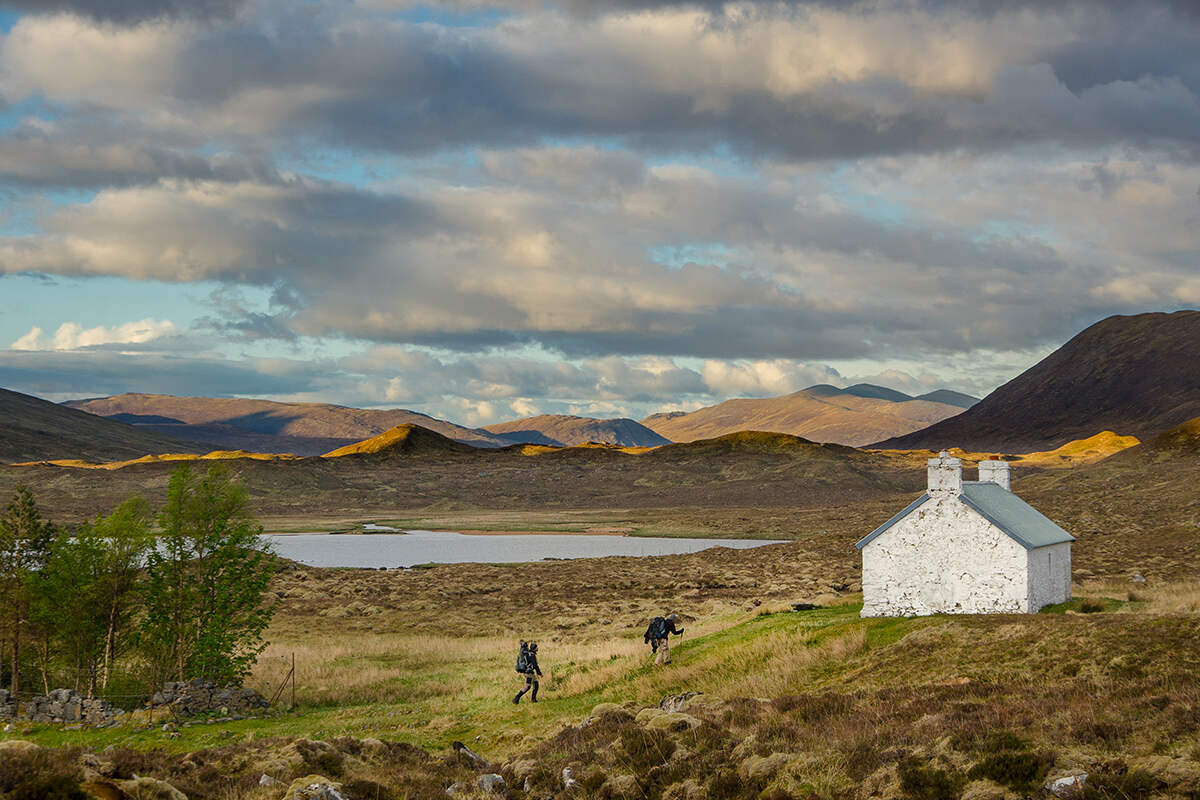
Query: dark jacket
{"points": [[532, 665]]}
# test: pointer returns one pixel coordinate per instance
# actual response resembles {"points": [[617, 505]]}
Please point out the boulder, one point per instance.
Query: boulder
{"points": [[149, 789], [1180, 775], [763, 768], [491, 783], [674, 721], [314, 787], [1067, 785], [676, 702]]}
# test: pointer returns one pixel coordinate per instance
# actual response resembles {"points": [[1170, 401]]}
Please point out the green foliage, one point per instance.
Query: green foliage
{"points": [[1120, 785], [645, 749], [24, 541], [206, 581], [925, 782], [82, 598], [1017, 770]]}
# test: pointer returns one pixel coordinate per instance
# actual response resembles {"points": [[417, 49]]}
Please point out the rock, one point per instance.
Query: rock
{"points": [[491, 783], [674, 721], [1138, 577], [266, 780], [149, 789], [474, 757], [763, 768], [314, 787], [1181, 775], [458, 787], [676, 702], [569, 781], [523, 769], [621, 786], [646, 714], [1068, 785]]}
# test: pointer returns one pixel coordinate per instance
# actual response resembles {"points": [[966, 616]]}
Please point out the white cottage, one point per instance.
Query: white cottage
{"points": [[965, 547]]}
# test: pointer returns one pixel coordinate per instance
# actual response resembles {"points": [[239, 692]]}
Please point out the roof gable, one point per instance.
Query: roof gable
{"points": [[911, 507], [1017, 519], [1024, 523]]}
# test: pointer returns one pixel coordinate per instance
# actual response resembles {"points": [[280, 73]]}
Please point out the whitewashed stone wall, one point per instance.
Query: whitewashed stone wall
{"points": [[1049, 575], [944, 558]]}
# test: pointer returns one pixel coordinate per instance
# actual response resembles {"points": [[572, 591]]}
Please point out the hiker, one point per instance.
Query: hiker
{"points": [[657, 637], [527, 665]]}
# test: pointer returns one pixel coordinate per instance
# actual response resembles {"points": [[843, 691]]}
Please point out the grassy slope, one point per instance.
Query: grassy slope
{"points": [[847, 699]]}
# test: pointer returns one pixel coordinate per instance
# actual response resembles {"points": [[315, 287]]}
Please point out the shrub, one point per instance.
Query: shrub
{"points": [[1135, 785], [645, 748], [924, 782], [40, 775], [363, 789], [1016, 770]]}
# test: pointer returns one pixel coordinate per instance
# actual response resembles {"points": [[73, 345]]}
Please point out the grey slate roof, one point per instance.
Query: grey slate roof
{"points": [[1024, 523]]}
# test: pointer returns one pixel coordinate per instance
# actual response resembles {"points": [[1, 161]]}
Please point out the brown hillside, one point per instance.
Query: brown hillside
{"points": [[746, 470], [403, 440], [264, 426], [820, 413], [32, 429], [1134, 375], [562, 429]]}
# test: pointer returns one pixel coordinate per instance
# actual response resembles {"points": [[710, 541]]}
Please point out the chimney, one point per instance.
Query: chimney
{"points": [[995, 471], [945, 475]]}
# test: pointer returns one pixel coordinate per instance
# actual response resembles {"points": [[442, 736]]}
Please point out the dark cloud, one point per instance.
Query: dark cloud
{"points": [[128, 11]]}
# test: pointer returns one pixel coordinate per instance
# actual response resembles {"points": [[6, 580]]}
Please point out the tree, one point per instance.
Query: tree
{"points": [[83, 595], [24, 540], [206, 581]]}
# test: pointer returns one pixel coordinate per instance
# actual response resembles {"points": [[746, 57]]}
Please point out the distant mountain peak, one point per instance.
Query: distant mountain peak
{"points": [[1135, 375], [568, 431]]}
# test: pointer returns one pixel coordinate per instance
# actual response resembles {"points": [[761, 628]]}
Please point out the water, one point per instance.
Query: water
{"points": [[442, 547]]}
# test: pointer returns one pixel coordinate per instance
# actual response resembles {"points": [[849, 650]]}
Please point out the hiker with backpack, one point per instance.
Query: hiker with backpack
{"points": [[527, 665], [657, 636]]}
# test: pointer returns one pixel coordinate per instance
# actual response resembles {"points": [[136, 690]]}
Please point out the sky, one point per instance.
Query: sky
{"points": [[488, 210]]}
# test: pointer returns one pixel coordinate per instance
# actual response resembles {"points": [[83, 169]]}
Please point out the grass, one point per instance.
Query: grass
{"points": [[819, 703]]}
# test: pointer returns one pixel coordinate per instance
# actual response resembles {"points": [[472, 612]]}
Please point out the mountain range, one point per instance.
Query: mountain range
{"points": [[852, 416], [564, 430], [1135, 375], [304, 429]]}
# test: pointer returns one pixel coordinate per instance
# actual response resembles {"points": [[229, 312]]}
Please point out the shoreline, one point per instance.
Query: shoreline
{"points": [[614, 531]]}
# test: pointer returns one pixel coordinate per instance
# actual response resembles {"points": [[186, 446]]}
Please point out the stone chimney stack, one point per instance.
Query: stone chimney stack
{"points": [[945, 475], [997, 472]]}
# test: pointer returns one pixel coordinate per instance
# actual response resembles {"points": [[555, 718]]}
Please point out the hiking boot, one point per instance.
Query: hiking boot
{"points": [[516, 700]]}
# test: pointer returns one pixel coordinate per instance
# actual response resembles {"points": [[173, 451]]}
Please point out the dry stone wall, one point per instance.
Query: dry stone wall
{"points": [[60, 706], [188, 698]]}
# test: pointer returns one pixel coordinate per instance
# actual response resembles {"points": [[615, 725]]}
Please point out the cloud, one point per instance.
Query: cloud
{"points": [[91, 373], [801, 81], [73, 336], [128, 11]]}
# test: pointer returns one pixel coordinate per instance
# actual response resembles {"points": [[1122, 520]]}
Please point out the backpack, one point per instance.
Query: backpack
{"points": [[523, 659], [657, 629]]}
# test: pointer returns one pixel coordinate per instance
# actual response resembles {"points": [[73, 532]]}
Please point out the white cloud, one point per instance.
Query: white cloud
{"points": [[73, 336]]}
